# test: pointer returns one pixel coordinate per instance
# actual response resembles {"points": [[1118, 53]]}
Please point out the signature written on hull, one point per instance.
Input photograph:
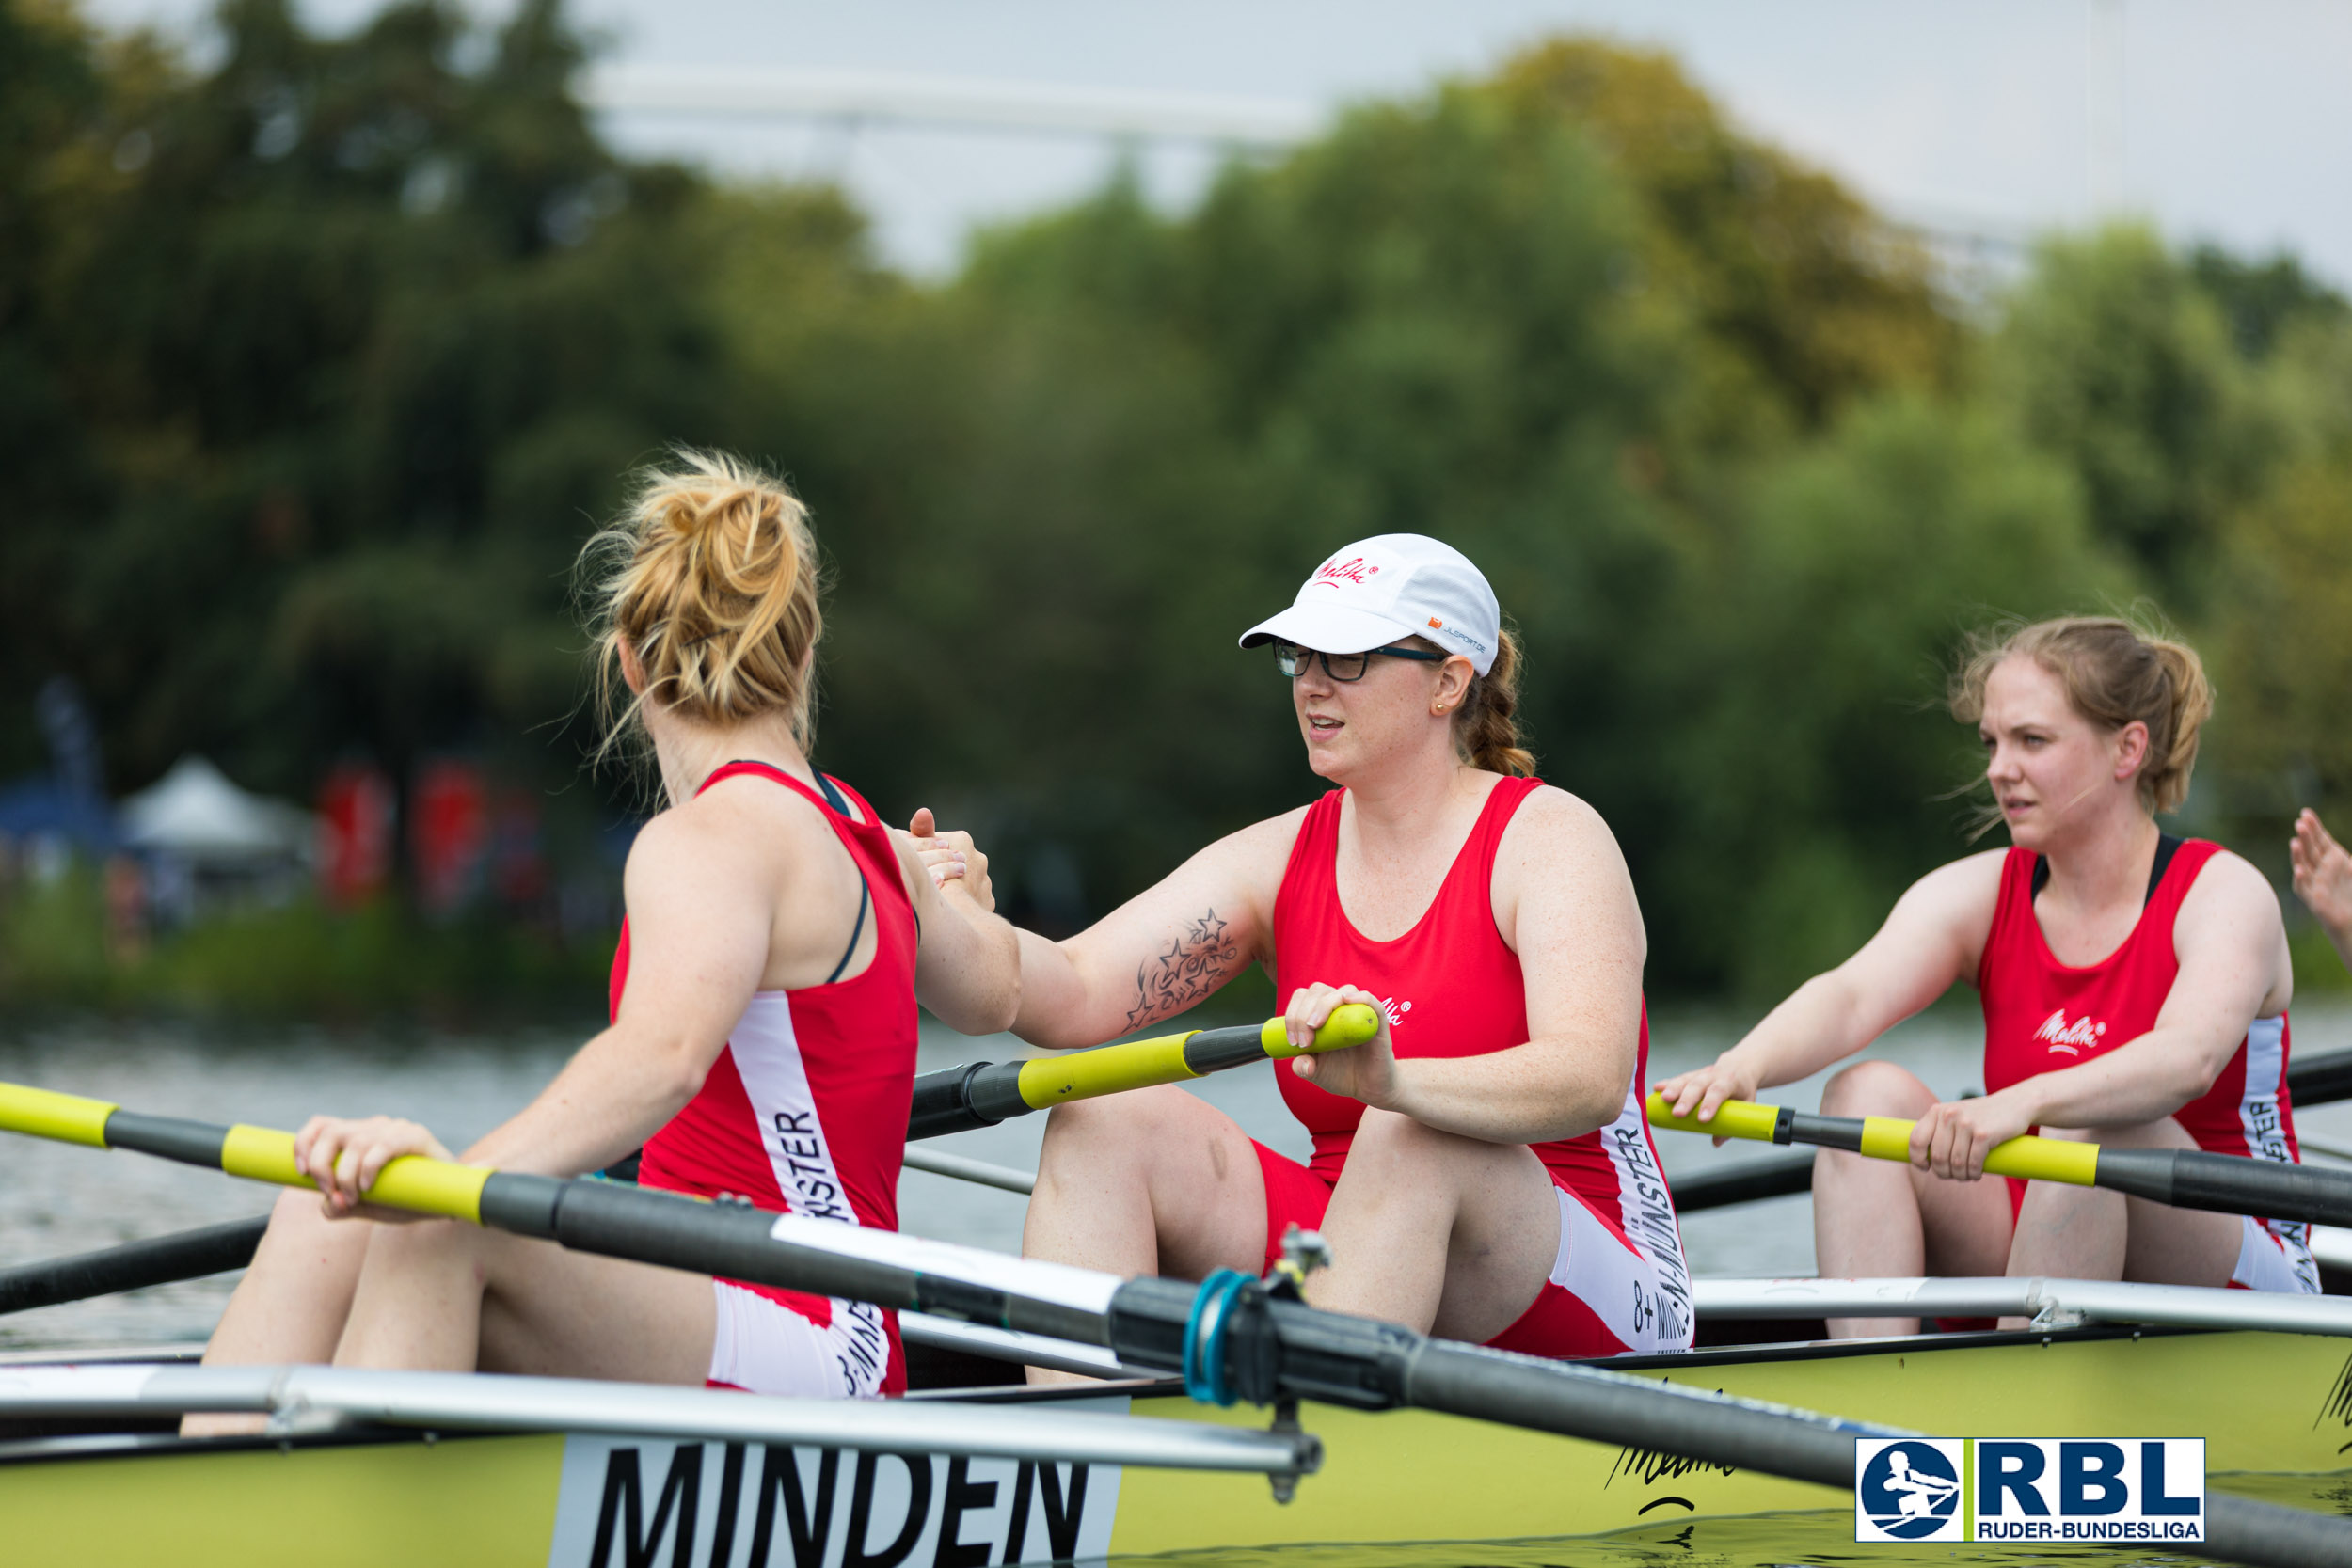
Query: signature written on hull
{"points": [[1649, 1466], [652, 1504]]}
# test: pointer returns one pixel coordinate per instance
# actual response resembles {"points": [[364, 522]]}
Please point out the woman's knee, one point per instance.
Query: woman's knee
{"points": [[1120, 1129], [1876, 1089], [1391, 1142], [299, 1230], [432, 1243]]}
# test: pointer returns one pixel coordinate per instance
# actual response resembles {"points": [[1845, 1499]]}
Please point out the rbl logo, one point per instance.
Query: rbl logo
{"points": [[2071, 1489]]}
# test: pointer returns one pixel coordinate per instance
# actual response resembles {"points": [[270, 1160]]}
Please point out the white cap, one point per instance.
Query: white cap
{"points": [[1376, 591]]}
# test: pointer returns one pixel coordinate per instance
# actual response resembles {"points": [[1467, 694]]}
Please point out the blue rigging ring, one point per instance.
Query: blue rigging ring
{"points": [[1204, 1335]]}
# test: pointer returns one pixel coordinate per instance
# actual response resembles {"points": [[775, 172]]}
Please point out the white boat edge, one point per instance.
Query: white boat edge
{"points": [[2048, 1303], [302, 1400]]}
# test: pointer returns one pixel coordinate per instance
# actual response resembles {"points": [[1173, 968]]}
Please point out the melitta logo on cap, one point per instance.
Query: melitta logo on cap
{"points": [[1354, 569]]}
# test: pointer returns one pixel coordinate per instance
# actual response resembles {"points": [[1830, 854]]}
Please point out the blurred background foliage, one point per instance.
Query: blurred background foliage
{"points": [[318, 363]]}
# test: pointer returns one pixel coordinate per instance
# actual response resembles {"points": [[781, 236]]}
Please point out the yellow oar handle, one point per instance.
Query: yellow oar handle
{"points": [[1173, 1058], [2035, 1159], [1109, 1069], [1734, 1119], [2032, 1158], [67, 1118], [1350, 1023], [413, 1182], [2041, 1159]]}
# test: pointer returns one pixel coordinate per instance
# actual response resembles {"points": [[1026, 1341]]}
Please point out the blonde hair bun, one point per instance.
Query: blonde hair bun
{"points": [[711, 577]]}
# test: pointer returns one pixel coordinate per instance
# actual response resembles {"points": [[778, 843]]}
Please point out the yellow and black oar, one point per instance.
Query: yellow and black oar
{"points": [[1230, 1337], [2186, 1178], [957, 1099]]}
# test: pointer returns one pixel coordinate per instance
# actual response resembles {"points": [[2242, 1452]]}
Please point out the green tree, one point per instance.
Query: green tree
{"points": [[1814, 771], [366, 338], [1806, 298], [2115, 361]]}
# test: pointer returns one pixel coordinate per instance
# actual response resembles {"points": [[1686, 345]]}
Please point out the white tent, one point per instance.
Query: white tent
{"points": [[194, 813]]}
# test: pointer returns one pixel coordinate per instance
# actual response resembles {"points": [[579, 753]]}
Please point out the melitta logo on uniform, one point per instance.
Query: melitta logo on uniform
{"points": [[630, 1502], [2057, 1489], [2059, 1035]]}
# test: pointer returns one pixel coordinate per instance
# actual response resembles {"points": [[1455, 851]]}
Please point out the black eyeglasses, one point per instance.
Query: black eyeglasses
{"points": [[1293, 660]]}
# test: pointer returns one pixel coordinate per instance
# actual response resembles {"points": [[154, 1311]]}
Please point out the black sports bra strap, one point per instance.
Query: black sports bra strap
{"points": [[825, 786], [2167, 846], [834, 797], [840, 805], [865, 897]]}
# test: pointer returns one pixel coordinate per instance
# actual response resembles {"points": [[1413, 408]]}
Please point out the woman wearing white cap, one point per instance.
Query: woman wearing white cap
{"points": [[1482, 1167]]}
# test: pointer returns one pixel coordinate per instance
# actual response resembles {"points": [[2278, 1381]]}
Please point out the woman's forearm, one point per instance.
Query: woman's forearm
{"points": [[1055, 1011], [1817, 1023], [1532, 1093], [969, 973], [2140, 1080]]}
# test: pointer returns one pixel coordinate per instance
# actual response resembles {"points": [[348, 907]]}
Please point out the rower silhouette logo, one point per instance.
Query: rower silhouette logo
{"points": [[1907, 1489]]}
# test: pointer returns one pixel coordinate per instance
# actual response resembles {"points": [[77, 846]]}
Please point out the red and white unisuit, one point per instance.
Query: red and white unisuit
{"points": [[2042, 1016], [1451, 989], [805, 1112]]}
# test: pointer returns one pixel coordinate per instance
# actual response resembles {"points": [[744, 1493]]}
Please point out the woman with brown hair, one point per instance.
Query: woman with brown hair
{"points": [[1481, 1166], [2135, 988], [763, 1026]]}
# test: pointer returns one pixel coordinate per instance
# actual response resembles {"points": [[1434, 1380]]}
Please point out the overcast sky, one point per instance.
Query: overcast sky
{"points": [[2236, 120]]}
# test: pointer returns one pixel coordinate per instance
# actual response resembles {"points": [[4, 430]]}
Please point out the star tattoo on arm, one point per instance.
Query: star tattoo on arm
{"points": [[1199, 959]]}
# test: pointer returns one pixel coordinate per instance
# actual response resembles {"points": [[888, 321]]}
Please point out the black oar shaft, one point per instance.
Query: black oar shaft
{"points": [[735, 1240], [2230, 1185], [957, 1099], [134, 1266], [1466, 1380], [1215, 1049], [1749, 1181], [191, 1142], [2321, 1079]]}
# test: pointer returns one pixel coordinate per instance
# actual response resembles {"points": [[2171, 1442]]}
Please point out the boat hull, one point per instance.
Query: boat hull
{"points": [[1395, 1485]]}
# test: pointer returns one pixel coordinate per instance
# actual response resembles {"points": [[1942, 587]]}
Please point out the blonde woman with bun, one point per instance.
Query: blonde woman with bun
{"points": [[2135, 988], [763, 1027]]}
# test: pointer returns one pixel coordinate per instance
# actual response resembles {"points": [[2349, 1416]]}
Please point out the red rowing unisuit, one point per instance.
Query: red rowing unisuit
{"points": [[805, 1111], [1450, 988], [2042, 1016]]}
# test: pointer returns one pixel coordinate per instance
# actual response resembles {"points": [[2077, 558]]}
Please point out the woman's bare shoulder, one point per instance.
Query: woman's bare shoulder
{"points": [[744, 824], [1555, 822]]}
